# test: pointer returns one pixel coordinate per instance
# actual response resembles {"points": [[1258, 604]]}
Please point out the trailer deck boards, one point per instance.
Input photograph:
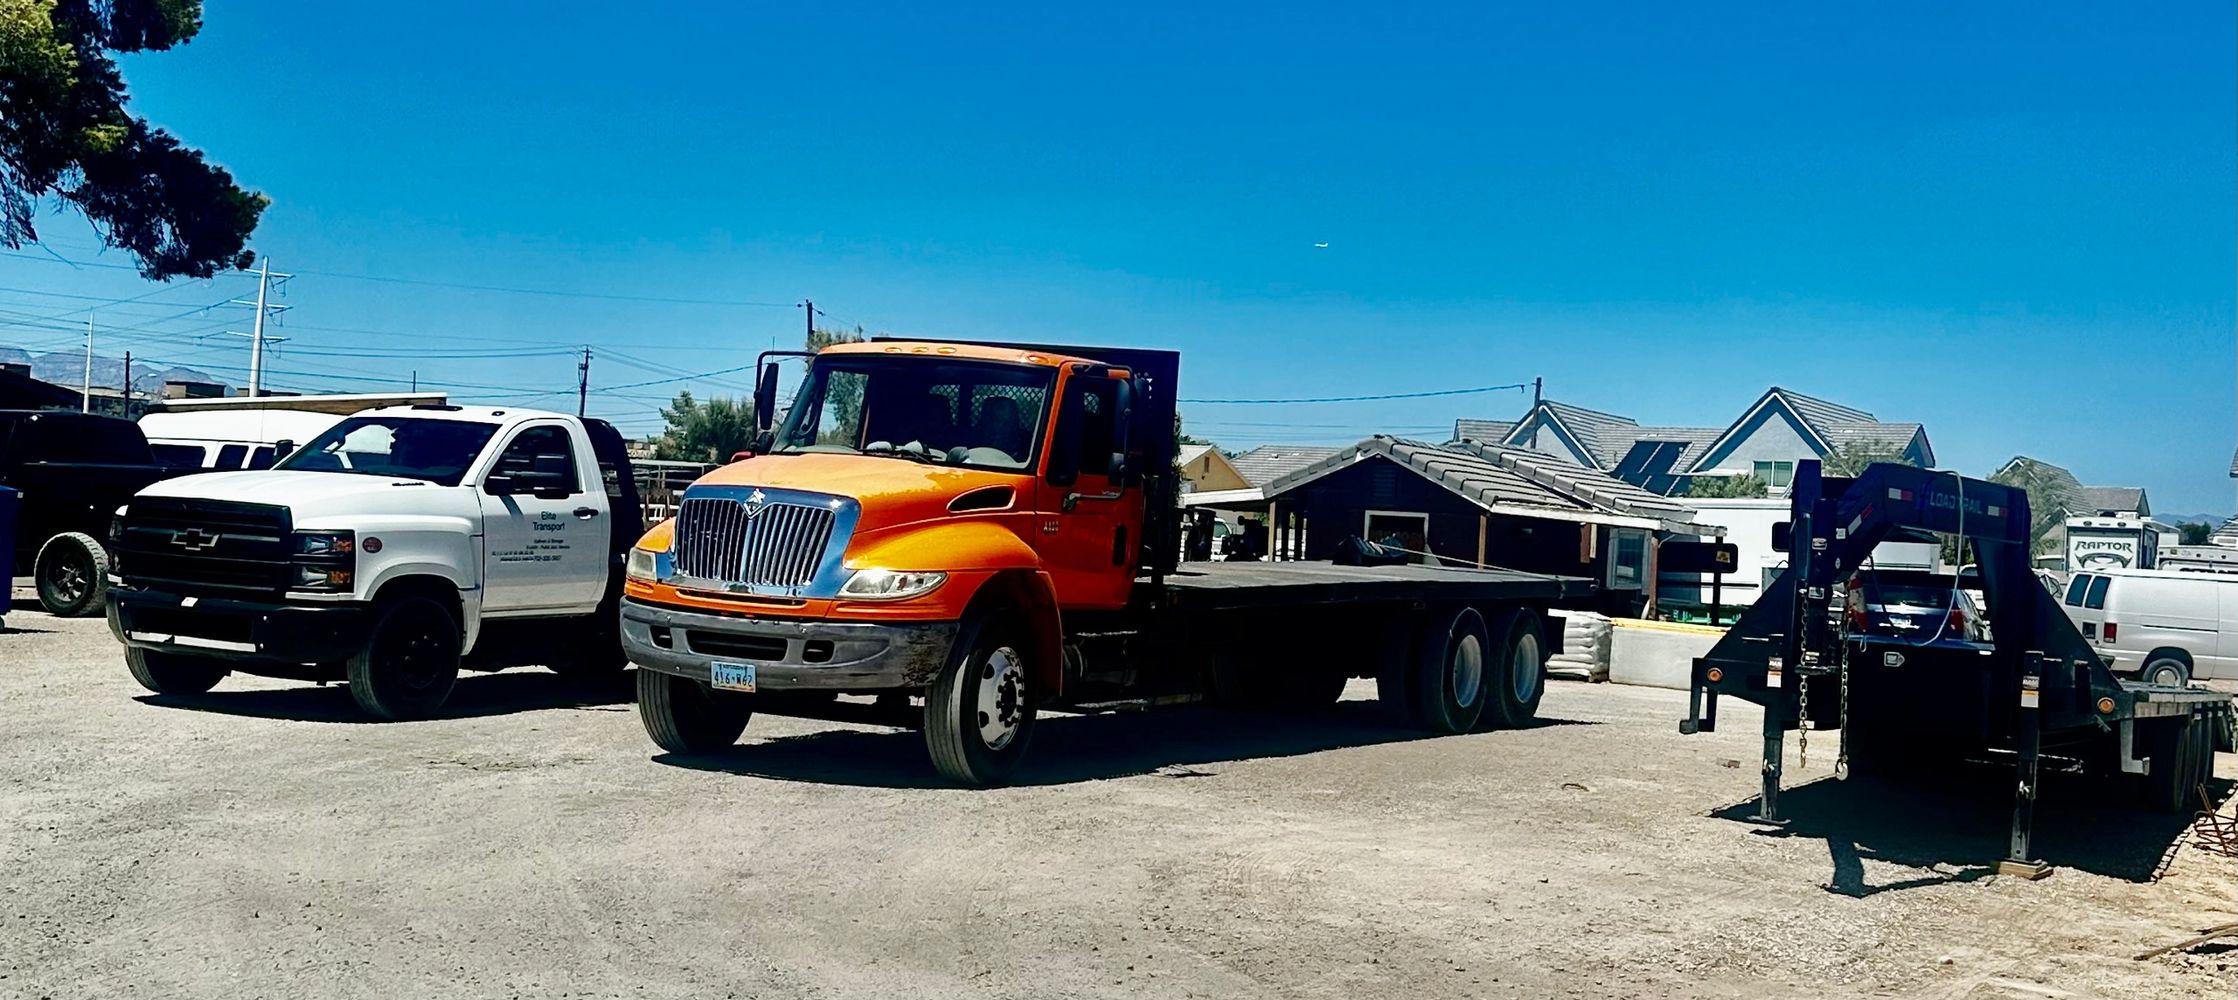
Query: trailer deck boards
{"points": [[1214, 586]]}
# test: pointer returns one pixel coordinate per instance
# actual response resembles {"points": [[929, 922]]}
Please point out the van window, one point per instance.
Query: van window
{"points": [[2075, 590], [2096, 599], [232, 456], [262, 457]]}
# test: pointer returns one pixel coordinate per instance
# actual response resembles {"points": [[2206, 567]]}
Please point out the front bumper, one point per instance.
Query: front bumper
{"points": [[249, 631], [788, 654]]}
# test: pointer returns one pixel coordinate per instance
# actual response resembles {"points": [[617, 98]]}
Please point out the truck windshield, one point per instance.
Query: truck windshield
{"points": [[438, 451], [965, 413]]}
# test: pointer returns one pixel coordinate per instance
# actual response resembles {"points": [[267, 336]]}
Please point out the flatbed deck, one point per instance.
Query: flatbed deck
{"points": [[1215, 586]]}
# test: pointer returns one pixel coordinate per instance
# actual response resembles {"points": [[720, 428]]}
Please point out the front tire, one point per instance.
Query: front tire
{"points": [[72, 570], [409, 662], [684, 716], [979, 714], [171, 673]]}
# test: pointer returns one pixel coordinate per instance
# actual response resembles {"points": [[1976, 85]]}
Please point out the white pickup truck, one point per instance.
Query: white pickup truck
{"points": [[401, 545]]}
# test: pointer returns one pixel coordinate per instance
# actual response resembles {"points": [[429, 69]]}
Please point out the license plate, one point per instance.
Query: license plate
{"points": [[732, 676]]}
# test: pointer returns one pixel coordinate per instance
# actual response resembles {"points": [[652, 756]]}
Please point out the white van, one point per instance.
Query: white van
{"points": [[2166, 626], [228, 440]]}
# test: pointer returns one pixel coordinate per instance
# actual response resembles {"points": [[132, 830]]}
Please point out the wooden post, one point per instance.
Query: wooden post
{"points": [[1483, 532], [1651, 584], [1274, 531]]}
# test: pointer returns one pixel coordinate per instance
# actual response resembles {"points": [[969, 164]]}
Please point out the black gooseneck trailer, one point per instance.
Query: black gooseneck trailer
{"points": [[2036, 689]]}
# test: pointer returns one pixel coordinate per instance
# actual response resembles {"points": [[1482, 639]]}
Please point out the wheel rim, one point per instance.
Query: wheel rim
{"points": [[416, 659], [70, 577], [1468, 670], [2166, 674], [1525, 667], [1001, 697]]}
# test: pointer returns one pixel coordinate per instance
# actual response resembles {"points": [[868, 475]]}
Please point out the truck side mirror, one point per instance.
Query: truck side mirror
{"points": [[1064, 447], [1783, 536], [1122, 432], [765, 398]]}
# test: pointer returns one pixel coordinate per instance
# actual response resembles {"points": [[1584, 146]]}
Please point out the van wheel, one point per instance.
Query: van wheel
{"points": [[1454, 669], [1520, 681], [72, 572], [409, 661], [979, 713], [171, 673], [2167, 670], [684, 716]]}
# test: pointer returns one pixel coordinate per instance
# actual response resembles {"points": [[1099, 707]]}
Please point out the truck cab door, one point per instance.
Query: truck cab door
{"points": [[1090, 522], [545, 536]]}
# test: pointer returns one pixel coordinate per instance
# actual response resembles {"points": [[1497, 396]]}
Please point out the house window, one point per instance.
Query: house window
{"points": [[1777, 475], [1627, 558], [1403, 530]]}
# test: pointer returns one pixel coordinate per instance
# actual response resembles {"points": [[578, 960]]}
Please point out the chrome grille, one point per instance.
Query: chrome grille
{"points": [[772, 544]]}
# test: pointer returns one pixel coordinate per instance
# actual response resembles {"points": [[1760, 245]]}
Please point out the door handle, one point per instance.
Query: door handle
{"points": [[586, 513]]}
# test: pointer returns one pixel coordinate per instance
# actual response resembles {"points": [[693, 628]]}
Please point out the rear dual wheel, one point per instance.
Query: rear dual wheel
{"points": [[1464, 671], [2181, 755]]}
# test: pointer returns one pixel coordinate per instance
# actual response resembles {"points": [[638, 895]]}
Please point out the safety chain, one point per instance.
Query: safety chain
{"points": [[1841, 760], [1803, 681]]}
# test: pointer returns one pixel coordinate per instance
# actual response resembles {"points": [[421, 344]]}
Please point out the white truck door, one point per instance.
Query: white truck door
{"points": [[543, 524]]}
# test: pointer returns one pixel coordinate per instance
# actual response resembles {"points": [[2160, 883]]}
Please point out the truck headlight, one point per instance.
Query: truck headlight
{"points": [[323, 577], [325, 543], [644, 565], [890, 584]]}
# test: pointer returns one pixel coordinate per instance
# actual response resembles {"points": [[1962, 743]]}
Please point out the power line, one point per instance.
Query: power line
{"points": [[385, 279], [740, 303], [681, 378], [1364, 399]]}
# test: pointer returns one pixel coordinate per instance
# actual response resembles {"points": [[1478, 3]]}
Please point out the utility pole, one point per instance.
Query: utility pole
{"points": [[85, 401], [582, 383], [1538, 391], [128, 385], [809, 306], [415, 380], [264, 278]]}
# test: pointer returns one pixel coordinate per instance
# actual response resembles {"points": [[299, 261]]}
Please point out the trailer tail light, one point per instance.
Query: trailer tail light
{"points": [[2110, 631], [2105, 706]]}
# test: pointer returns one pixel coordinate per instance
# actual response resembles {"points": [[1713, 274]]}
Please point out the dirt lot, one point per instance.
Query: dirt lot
{"points": [[260, 842]]}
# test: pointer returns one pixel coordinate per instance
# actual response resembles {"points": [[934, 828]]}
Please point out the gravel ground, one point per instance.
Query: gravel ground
{"points": [[259, 842]]}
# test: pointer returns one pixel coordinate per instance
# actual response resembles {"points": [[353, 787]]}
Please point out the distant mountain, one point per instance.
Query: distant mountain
{"points": [[67, 368], [2190, 518]]}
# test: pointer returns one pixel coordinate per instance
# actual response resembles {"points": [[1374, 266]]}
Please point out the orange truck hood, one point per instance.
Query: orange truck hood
{"points": [[893, 491]]}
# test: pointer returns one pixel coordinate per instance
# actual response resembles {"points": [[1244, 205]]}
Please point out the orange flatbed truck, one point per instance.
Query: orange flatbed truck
{"points": [[975, 533]]}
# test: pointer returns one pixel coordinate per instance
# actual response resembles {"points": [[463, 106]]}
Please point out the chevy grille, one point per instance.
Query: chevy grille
{"points": [[213, 548]]}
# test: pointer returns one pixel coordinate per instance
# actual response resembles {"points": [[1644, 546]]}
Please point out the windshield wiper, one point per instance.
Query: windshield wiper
{"points": [[917, 456]]}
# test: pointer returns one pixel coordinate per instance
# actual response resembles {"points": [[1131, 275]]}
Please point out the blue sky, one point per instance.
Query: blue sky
{"points": [[2014, 223]]}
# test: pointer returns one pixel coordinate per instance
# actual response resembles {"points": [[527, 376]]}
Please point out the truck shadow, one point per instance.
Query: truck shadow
{"points": [[1072, 748], [1957, 827], [476, 696]]}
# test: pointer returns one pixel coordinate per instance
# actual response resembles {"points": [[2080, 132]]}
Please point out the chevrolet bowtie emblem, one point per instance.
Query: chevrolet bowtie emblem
{"points": [[194, 539]]}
